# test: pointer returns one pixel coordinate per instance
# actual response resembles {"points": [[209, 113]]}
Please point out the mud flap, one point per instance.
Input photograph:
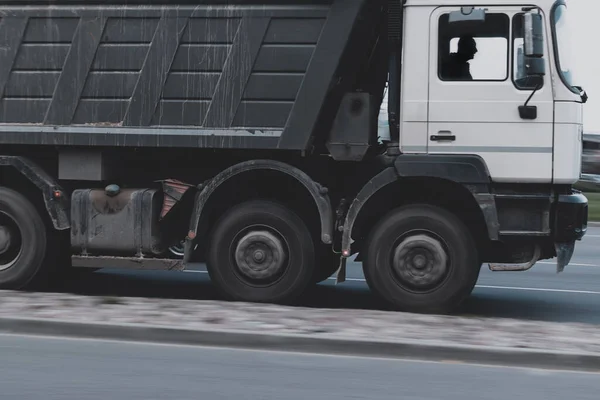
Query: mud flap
{"points": [[564, 253], [340, 275]]}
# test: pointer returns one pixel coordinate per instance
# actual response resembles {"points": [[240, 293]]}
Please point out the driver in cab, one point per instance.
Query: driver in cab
{"points": [[456, 66]]}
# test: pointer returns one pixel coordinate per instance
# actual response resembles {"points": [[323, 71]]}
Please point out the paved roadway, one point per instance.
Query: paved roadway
{"points": [[92, 369], [538, 294], [71, 369]]}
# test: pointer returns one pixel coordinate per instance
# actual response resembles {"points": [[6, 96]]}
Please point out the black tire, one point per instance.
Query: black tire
{"points": [[283, 232], [28, 240], [418, 237]]}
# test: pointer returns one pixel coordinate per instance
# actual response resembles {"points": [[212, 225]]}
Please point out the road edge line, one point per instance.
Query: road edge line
{"points": [[315, 344]]}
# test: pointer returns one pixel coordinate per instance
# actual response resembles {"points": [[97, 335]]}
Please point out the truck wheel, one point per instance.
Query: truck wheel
{"points": [[421, 258], [22, 240], [261, 251]]}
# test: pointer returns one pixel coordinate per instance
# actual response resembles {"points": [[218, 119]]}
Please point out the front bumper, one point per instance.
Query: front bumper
{"points": [[570, 225]]}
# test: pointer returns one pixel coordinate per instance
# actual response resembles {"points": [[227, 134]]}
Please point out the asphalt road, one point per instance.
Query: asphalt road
{"points": [[538, 294], [65, 369]]}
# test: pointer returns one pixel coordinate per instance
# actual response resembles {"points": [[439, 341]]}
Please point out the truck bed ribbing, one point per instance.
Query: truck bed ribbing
{"points": [[216, 74]]}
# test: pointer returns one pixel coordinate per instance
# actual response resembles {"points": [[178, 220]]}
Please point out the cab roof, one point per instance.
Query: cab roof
{"points": [[544, 4]]}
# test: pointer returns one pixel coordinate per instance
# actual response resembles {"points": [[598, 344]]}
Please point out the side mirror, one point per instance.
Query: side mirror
{"points": [[533, 35], [533, 45], [467, 14], [534, 66]]}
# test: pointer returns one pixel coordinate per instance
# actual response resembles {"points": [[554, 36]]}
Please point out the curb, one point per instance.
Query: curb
{"points": [[319, 344], [594, 224]]}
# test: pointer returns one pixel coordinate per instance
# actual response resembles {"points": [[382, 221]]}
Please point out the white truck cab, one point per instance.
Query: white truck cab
{"points": [[524, 120]]}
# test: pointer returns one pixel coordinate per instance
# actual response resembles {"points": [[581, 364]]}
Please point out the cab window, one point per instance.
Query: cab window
{"points": [[478, 52]]}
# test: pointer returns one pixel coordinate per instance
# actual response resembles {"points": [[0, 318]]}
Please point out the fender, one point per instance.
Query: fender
{"points": [[318, 193], [468, 170], [380, 181], [465, 169], [57, 204]]}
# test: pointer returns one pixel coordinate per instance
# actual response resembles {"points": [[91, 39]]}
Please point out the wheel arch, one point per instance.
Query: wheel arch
{"points": [[461, 180], [213, 190]]}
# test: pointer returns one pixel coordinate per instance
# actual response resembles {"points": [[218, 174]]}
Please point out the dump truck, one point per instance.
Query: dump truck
{"points": [[248, 131]]}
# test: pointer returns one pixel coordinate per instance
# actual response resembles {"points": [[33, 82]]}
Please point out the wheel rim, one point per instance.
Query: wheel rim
{"points": [[10, 241], [420, 261], [178, 249], [260, 255]]}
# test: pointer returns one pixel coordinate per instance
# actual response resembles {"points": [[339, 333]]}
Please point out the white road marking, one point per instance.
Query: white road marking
{"points": [[539, 262], [537, 289], [570, 265], [477, 286], [351, 279]]}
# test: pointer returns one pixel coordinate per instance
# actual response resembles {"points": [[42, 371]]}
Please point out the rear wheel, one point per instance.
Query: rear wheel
{"points": [[421, 258], [261, 251], [22, 240]]}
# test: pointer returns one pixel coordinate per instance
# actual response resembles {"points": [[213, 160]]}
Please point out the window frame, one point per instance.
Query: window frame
{"points": [[555, 45]]}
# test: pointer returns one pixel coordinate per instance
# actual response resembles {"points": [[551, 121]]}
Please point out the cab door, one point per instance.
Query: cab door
{"points": [[481, 115]]}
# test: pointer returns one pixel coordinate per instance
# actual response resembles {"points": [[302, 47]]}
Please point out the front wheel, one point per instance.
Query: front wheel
{"points": [[421, 258], [261, 251]]}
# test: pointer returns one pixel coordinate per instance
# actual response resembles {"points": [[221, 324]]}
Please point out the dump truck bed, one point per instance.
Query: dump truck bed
{"points": [[245, 75]]}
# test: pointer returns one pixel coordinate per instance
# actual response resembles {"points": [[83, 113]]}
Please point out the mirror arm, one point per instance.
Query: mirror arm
{"points": [[538, 87], [526, 111]]}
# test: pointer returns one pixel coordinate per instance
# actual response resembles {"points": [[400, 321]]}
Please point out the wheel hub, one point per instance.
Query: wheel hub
{"points": [[260, 255], [5, 239], [420, 261]]}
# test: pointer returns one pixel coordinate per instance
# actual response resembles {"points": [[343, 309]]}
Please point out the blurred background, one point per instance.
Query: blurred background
{"points": [[590, 177]]}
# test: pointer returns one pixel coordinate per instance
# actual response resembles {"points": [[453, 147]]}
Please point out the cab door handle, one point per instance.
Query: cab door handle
{"points": [[443, 136]]}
